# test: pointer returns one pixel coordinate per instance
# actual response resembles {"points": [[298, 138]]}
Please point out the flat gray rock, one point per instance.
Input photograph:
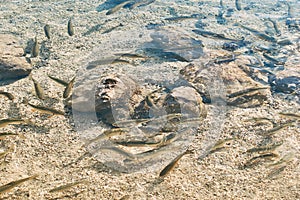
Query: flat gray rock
{"points": [[13, 65]]}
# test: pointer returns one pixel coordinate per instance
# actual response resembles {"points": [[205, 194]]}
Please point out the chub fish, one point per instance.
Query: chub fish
{"points": [[117, 7], [42, 109], [38, 89], [47, 31], [70, 28], [248, 90], [66, 186], [10, 185], [238, 4], [5, 122], [3, 135], [64, 83], [7, 94], [68, 88], [265, 148], [173, 163], [212, 35], [259, 34]]}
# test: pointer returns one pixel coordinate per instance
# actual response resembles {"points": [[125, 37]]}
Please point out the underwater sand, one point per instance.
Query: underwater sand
{"points": [[54, 150]]}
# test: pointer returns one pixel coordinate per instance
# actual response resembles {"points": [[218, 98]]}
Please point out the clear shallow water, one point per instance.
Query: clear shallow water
{"points": [[255, 26], [164, 30]]}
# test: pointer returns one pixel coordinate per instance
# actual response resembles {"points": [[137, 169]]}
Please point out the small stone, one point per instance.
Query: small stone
{"points": [[13, 65]]}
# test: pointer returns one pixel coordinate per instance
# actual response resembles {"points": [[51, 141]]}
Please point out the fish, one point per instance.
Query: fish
{"points": [[212, 35], [35, 48], [3, 135], [45, 110], [238, 5], [274, 130], [220, 145], [259, 159], [12, 184], [246, 99], [109, 133], [180, 18], [265, 148], [278, 32], [47, 31], [259, 34], [70, 28], [116, 61], [276, 171], [245, 91], [5, 122], [146, 155], [284, 42], [38, 89], [173, 163], [62, 82], [130, 55], [137, 143], [67, 186], [274, 60], [221, 4], [68, 88], [267, 156], [7, 94], [120, 151], [117, 7], [293, 115]]}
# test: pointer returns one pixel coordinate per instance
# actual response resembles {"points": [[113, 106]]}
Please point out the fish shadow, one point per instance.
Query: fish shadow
{"points": [[102, 168], [108, 5], [44, 51], [11, 81], [93, 29], [28, 47]]}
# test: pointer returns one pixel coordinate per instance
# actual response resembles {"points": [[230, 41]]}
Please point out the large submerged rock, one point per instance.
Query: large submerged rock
{"points": [[13, 64], [112, 98], [225, 75]]}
